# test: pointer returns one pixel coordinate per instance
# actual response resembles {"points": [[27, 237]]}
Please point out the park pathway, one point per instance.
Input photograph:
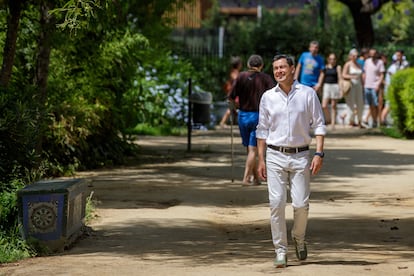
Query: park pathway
{"points": [[173, 212]]}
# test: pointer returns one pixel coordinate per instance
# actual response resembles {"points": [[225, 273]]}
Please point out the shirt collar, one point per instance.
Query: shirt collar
{"points": [[295, 86]]}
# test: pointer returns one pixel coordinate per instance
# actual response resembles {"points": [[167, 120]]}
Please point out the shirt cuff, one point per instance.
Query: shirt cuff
{"points": [[262, 134], [320, 130]]}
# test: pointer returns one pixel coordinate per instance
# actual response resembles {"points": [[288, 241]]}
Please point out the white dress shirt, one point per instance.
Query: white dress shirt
{"points": [[287, 120]]}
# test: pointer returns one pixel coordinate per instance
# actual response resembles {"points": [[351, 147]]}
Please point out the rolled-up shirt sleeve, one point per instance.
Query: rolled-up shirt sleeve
{"points": [[318, 121], [262, 130], [320, 130]]}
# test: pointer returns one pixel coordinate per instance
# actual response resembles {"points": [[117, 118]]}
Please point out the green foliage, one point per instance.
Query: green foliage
{"points": [[114, 89], [401, 97], [8, 207], [146, 129], [77, 13], [159, 92], [109, 70], [13, 248], [210, 74], [18, 133], [286, 33], [115, 74], [90, 208], [111, 74], [394, 22], [392, 132]]}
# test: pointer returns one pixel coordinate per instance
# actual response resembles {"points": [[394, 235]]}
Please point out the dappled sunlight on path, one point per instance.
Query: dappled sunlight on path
{"points": [[179, 213]]}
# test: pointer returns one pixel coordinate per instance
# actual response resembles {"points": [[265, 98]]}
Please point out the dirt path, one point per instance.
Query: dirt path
{"points": [[179, 213]]}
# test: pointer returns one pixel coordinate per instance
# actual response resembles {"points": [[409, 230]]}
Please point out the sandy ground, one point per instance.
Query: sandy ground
{"points": [[175, 212]]}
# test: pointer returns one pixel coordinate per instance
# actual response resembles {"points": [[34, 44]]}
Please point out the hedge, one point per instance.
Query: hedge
{"points": [[401, 97]]}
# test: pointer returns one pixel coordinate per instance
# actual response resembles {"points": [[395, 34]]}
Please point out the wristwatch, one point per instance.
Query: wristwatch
{"points": [[320, 154]]}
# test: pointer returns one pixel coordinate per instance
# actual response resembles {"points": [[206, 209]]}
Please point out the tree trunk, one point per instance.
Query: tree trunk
{"points": [[15, 7], [363, 27], [47, 28], [44, 49], [361, 11]]}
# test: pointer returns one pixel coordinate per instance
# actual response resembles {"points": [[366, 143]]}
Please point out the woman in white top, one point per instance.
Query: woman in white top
{"points": [[355, 98]]}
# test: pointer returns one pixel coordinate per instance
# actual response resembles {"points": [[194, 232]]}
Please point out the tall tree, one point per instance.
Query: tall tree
{"points": [[361, 11], [44, 45], [15, 10], [47, 28]]}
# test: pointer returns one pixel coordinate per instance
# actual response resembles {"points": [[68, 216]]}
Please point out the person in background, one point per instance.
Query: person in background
{"points": [[383, 57], [331, 89], [373, 77], [249, 88], [381, 92], [404, 58], [362, 57], [361, 61], [399, 64], [309, 70], [355, 98], [288, 113], [236, 66]]}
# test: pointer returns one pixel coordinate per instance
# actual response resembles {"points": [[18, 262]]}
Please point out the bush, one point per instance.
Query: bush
{"points": [[8, 209], [401, 98], [12, 246], [18, 136]]}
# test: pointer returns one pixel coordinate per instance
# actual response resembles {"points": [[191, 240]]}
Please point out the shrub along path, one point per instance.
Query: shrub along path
{"points": [[177, 213]]}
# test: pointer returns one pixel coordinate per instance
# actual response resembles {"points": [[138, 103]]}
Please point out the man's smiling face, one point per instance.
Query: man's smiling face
{"points": [[282, 71]]}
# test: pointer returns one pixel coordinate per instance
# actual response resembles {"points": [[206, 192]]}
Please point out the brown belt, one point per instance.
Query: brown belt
{"points": [[288, 150]]}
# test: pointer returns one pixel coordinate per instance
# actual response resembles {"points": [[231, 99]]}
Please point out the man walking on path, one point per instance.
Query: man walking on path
{"points": [[249, 87], [373, 78], [287, 114], [309, 70]]}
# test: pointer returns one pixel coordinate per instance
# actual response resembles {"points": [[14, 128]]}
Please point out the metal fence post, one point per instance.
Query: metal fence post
{"points": [[189, 120]]}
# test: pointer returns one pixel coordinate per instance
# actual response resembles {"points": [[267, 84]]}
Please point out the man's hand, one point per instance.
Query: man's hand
{"points": [[261, 166], [316, 164], [261, 170]]}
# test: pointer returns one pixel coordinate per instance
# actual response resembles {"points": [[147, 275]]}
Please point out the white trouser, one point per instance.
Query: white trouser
{"points": [[285, 169]]}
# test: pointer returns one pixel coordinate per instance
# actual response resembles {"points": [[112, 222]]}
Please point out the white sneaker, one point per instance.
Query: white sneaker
{"points": [[365, 124], [281, 260]]}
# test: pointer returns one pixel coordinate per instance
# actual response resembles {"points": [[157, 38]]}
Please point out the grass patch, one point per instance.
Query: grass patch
{"points": [[90, 208], [392, 132], [13, 247], [145, 129]]}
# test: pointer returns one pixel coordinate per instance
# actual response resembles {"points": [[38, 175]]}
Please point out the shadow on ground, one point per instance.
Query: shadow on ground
{"points": [[161, 178], [205, 243]]}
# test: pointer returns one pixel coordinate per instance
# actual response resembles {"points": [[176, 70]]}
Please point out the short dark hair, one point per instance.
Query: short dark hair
{"points": [[364, 51], [255, 61], [235, 62], [289, 59], [314, 42]]}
